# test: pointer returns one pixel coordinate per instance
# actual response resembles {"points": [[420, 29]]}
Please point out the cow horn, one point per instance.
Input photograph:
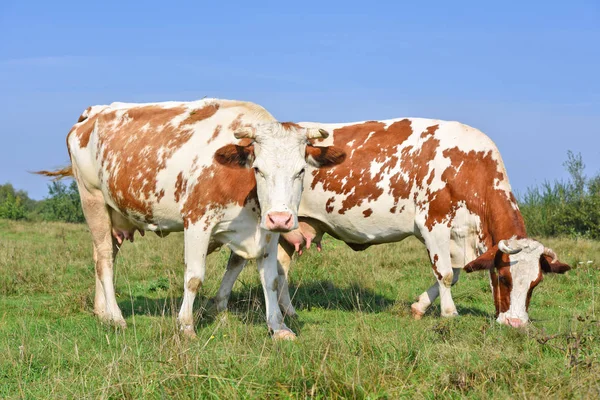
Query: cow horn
{"points": [[245, 132], [550, 253], [504, 247], [316, 133]]}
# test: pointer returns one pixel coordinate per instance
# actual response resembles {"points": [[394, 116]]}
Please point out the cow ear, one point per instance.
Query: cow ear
{"points": [[235, 156], [552, 267], [486, 261], [328, 156]]}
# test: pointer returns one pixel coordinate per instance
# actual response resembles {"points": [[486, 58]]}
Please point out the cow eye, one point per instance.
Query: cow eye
{"points": [[300, 174], [258, 172]]}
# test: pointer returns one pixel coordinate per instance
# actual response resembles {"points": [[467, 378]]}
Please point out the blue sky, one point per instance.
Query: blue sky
{"points": [[525, 73]]}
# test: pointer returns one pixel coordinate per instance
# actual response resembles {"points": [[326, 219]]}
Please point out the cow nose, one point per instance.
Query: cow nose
{"points": [[515, 322], [280, 221]]}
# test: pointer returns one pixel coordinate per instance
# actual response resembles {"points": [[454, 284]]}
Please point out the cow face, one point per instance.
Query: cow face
{"points": [[278, 154], [516, 267]]}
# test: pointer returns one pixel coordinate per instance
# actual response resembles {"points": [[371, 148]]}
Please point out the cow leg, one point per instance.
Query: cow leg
{"points": [[284, 258], [97, 217], [267, 269], [439, 254], [235, 265], [196, 240], [99, 298], [426, 298], [463, 249]]}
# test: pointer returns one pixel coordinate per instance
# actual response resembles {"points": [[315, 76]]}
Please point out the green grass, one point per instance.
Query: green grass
{"points": [[355, 335]]}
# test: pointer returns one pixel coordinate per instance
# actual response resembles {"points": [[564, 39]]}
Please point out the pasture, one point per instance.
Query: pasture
{"points": [[356, 338]]}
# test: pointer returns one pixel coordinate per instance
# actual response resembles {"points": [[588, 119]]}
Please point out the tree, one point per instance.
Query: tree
{"points": [[12, 206], [63, 203], [575, 167]]}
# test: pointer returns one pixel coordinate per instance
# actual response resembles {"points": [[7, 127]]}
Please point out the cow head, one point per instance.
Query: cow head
{"points": [[278, 154], [516, 267]]}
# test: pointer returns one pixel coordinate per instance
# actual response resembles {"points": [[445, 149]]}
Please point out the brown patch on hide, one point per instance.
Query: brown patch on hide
{"points": [[532, 286], [215, 133], [329, 205], [84, 115], [326, 156], [201, 114], [236, 123], [290, 125], [160, 195], [434, 266], [180, 187], [372, 142], [498, 264], [501, 279], [134, 149], [471, 178], [83, 128], [429, 131], [218, 186]]}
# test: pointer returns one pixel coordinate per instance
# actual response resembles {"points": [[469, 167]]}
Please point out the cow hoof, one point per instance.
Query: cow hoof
{"points": [[213, 308], [220, 306], [101, 314], [451, 314], [417, 314], [121, 324], [188, 332], [284, 334], [117, 323]]}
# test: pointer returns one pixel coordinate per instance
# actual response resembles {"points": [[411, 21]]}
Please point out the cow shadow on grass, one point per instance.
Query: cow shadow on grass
{"points": [[326, 295], [247, 303], [168, 307], [435, 310]]}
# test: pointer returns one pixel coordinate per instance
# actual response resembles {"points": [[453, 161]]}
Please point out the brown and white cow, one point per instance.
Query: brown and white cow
{"points": [[167, 167], [443, 182]]}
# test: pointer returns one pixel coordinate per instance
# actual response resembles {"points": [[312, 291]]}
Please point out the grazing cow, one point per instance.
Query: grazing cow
{"points": [[443, 182], [167, 167]]}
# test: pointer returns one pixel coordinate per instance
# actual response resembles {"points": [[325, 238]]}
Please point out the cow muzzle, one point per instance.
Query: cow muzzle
{"points": [[515, 322], [512, 321], [280, 221]]}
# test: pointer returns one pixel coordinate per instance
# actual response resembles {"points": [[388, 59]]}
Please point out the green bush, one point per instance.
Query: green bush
{"points": [[12, 207], [63, 203], [569, 208], [14, 204]]}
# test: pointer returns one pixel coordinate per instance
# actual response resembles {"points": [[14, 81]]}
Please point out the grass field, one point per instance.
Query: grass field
{"points": [[355, 335]]}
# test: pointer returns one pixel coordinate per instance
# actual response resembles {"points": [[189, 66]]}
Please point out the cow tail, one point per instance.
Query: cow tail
{"points": [[66, 172]]}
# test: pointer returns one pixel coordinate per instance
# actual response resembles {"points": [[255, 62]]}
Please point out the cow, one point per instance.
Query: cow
{"points": [[172, 166], [440, 181]]}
